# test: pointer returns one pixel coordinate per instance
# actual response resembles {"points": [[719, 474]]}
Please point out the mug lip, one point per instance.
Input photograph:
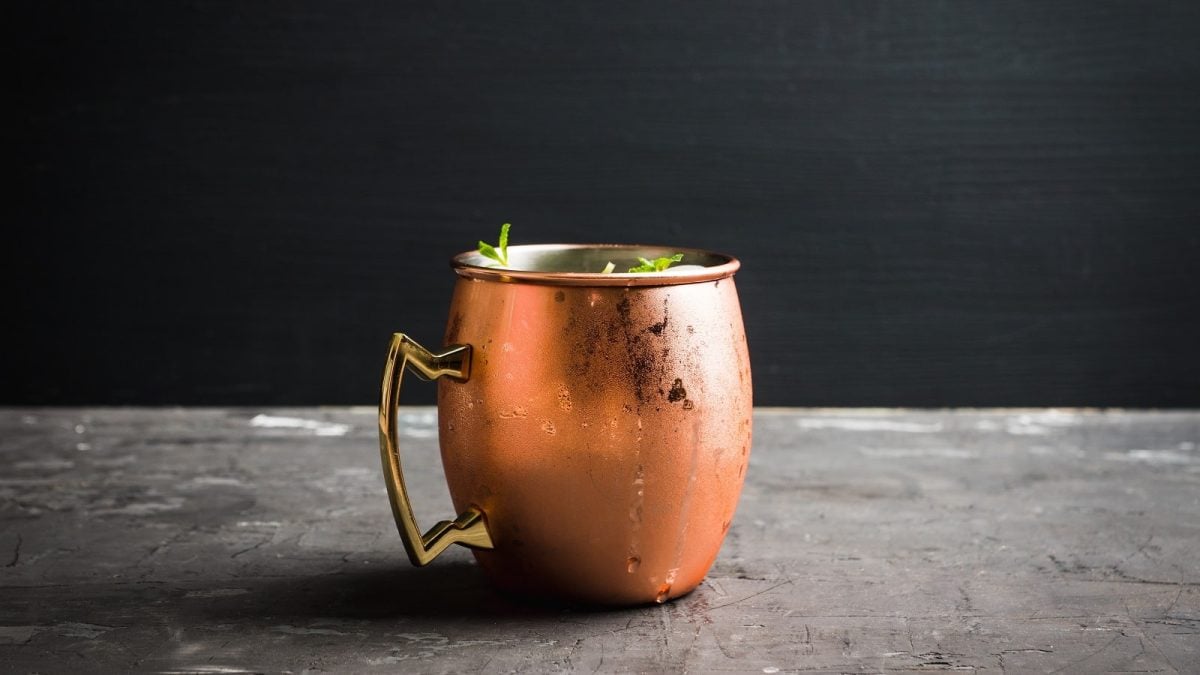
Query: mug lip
{"points": [[463, 266]]}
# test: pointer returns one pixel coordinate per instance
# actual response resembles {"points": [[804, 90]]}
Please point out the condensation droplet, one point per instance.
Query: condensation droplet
{"points": [[632, 564], [548, 427], [663, 592]]}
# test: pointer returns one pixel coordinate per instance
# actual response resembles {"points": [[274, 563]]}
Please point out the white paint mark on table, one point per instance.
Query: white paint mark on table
{"points": [[1061, 451], [940, 453], [418, 424], [1034, 424], [1151, 457], [416, 432], [217, 480], [424, 418], [210, 668], [861, 424], [429, 645], [1022, 429], [46, 464], [143, 508], [83, 630], [216, 593], [109, 463], [297, 630], [317, 427]]}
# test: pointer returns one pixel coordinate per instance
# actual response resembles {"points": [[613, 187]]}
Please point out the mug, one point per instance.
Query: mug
{"points": [[594, 428]]}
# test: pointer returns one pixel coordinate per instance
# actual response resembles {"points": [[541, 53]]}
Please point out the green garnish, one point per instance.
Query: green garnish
{"points": [[656, 265], [608, 268], [499, 252]]}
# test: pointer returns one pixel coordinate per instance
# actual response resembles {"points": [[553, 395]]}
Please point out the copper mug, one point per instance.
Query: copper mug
{"points": [[594, 428]]}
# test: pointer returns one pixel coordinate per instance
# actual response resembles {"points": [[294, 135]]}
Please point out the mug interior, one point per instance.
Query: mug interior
{"points": [[583, 264]]}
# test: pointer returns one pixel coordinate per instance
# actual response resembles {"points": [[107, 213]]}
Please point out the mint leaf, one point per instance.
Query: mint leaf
{"points": [[499, 253], [656, 265], [487, 250]]}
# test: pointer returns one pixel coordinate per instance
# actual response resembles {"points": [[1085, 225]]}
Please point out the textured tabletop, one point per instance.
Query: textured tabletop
{"points": [[206, 540]]}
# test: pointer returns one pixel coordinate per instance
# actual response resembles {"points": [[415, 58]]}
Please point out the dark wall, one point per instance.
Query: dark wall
{"points": [[935, 203]]}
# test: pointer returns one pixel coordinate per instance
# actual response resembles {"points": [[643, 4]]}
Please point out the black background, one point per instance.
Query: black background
{"points": [[936, 203]]}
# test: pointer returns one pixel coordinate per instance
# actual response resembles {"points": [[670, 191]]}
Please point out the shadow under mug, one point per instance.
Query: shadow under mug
{"points": [[594, 428]]}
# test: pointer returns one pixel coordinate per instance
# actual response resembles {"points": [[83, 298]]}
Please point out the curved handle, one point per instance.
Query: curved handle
{"points": [[469, 528]]}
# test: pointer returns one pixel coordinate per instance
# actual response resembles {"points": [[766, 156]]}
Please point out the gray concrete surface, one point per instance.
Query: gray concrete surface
{"points": [[866, 541]]}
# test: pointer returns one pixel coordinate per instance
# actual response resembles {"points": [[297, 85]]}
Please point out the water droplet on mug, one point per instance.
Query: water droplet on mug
{"points": [[633, 563], [663, 592]]}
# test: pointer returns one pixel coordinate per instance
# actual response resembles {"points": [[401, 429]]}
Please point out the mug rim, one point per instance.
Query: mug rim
{"points": [[473, 265]]}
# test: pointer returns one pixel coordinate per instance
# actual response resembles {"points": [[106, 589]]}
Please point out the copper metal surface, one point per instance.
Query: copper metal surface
{"points": [[605, 428]]}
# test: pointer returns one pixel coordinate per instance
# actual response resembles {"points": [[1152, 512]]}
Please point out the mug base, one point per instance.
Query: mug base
{"points": [[580, 596]]}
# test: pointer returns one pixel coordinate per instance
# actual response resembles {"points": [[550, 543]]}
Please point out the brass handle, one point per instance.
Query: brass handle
{"points": [[469, 528]]}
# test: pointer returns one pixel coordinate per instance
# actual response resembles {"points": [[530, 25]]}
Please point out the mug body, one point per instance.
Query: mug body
{"points": [[605, 428]]}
